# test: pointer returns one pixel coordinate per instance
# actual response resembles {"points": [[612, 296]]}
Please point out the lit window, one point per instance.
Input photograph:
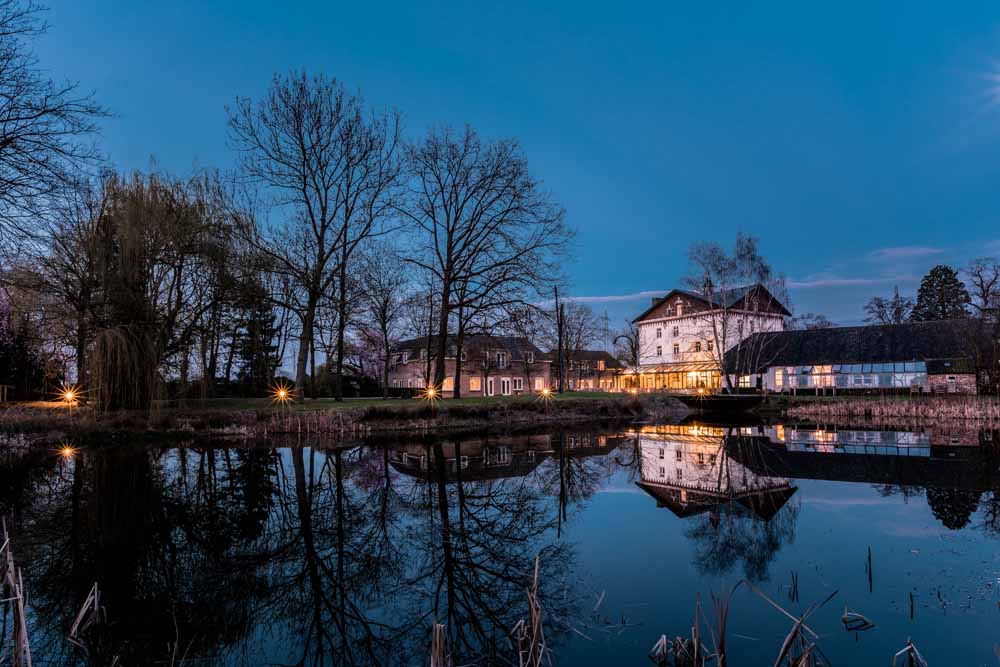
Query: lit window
{"points": [[475, 384]]}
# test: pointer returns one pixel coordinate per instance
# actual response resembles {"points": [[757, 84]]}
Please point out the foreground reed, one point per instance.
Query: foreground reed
{"points": [[14, 604]]}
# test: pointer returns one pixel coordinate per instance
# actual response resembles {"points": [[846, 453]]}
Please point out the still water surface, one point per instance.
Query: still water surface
{"points": [[312, 554]]}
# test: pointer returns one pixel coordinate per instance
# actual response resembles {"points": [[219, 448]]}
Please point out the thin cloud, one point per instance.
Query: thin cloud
{"points": [[609, 298], [903, 253], [821, 283]]}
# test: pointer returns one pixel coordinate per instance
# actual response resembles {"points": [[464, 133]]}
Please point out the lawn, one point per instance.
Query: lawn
{"points": [[310, 405]]}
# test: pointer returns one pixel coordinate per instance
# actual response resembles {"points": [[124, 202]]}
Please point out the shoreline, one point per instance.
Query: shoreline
{"points": [[47, 424]]}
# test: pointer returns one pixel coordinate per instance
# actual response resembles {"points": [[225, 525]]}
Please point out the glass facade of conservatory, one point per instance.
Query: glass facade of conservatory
{"points": [[898, 375]]}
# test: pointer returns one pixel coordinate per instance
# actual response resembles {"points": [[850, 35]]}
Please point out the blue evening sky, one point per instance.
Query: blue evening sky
{"points": [[859, 141]]}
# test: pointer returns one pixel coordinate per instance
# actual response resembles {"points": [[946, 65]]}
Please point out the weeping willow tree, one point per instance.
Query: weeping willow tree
{"points": [[152, 237]]}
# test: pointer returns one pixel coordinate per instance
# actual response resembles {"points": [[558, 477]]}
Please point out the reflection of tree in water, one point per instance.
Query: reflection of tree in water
{"points": [[953, 507], [295, 557], [905, 491], [475, 542], [730, 534], [572, 478], [168, 566], [754, 524]]}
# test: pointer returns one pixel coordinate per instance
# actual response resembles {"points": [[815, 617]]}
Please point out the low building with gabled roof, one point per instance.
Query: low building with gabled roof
{"points": [[491, 365], [922, 357]]}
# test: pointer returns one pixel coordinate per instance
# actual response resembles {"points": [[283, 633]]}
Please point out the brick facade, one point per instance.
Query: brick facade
{"points": [[956, 383]]}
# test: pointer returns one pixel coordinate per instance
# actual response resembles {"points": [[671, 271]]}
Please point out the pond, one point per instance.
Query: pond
{"points": [[308, 553]]}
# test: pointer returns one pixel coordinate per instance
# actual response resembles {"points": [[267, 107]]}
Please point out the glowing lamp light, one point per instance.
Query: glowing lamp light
{"points": [[281, 394], [67, 452], [69, 394], [546, 392], [431, 393]]}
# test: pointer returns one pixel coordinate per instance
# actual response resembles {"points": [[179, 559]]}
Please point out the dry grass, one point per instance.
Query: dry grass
{"points": [[908, 410]]}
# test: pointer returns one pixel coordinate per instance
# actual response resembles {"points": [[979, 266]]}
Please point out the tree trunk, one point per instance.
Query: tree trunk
{"points": [[312, 366], [385, 364], [338, 391], [81, 351], [305, 341], [459, 345], [442, 342]]}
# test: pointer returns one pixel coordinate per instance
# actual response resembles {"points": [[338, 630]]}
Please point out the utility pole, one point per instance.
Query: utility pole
{"points": [[559, 341]]}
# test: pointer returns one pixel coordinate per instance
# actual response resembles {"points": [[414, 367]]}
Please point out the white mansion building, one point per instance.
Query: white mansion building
{"points": [[684, 336]]}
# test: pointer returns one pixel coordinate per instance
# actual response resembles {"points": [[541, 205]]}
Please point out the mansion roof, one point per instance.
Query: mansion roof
{"points": [[730, 298]]}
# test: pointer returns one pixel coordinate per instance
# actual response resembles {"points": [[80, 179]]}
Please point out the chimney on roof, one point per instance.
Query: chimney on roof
{"points": [[657, 300]]}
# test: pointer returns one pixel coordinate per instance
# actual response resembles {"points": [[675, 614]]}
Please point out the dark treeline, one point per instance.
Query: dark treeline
{"points": [[336, 234]]}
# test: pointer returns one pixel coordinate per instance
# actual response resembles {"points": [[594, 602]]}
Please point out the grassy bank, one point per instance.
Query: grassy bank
{"points": [[901, 409], [259, 418]]}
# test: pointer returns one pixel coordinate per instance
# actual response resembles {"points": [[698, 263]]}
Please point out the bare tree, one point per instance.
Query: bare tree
{"points": [[737, 306], [63, 267], [383, 298], [43, 124], [582, 327], [894, 310], [983, 279], [332, 166], [809, 321], [631, 348], [477, 215]]}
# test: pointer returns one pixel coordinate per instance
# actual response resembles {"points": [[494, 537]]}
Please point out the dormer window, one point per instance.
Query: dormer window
{"points": [[423, 354], [529, 356]]}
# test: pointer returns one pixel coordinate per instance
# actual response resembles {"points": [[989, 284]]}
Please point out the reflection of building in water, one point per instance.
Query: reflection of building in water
{"points": [[939, 456], [494, 458], [687, 469]]}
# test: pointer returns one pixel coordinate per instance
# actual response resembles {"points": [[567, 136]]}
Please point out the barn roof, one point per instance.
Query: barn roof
{"points": [[943, 344]]}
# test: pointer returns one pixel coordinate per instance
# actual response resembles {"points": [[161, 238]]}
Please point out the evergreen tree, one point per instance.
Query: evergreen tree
{"points": [[22, 364], [942, 296], [256, 351]]}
